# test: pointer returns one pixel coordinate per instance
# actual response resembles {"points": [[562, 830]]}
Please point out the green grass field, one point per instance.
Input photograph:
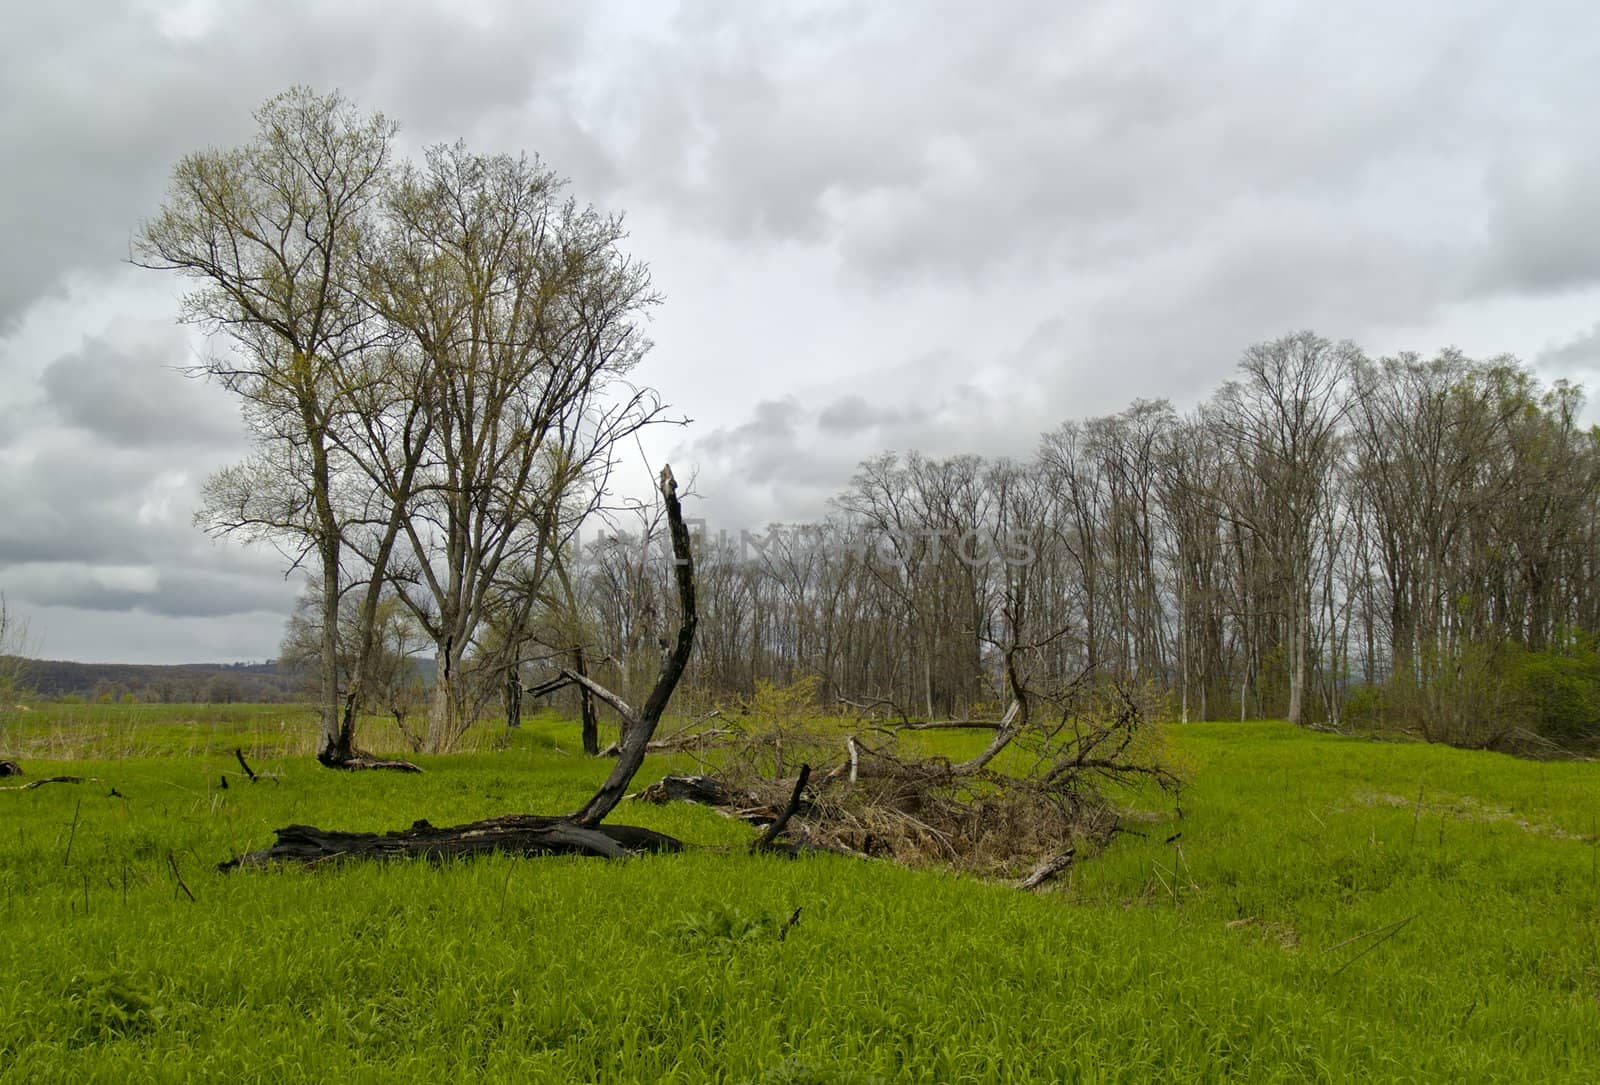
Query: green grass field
{"points": [[1316, 920]]}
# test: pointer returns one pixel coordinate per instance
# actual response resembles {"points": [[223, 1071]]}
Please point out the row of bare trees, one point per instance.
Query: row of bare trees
{"points": [[1325, 529]]}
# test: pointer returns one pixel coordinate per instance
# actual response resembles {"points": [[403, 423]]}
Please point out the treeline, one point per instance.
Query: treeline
{"points": [[1407, 541], [197, 683]]}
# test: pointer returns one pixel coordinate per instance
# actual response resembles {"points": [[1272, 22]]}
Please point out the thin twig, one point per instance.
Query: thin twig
{"points": [[73, 835], [172, 861], [1393, 929]]}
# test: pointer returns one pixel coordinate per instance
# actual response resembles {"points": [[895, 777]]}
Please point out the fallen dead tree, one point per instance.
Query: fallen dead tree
{"points": [[514, 834], [707, 790], [579, 832]]}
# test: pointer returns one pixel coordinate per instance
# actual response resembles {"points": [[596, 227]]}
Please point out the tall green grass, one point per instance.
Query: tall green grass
{"points": [[1241, 950]]}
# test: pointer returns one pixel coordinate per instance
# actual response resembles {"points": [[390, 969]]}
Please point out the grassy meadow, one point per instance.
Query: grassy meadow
{"points": [[1333, 910]]}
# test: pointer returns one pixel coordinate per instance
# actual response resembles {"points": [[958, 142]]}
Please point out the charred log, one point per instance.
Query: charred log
{"points": [[514, 834]]}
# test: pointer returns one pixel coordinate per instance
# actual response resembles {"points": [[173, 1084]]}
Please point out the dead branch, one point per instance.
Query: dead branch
{"points": [[869, 707], [172, 861], [365, 761], [1048, 869], [51, 780], [1011, 724], [765, 841], [676, 743], [851, 764]]}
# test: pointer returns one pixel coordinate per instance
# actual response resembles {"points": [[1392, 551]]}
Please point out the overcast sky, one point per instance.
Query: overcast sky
{"points": [[945, 226]]}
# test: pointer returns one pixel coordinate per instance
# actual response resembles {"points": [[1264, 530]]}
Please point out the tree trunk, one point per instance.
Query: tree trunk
{"points": [[444, 710], [513, 699], [637, 730], [1297, 657], [338, 738], [591, 723]]}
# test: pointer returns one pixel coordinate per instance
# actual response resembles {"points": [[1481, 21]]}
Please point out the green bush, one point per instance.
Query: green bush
{"points": [[1557, 693], [1499, 697]]}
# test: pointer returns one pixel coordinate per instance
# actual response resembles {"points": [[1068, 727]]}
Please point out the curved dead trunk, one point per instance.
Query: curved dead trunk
{"points": [[530, 834]]}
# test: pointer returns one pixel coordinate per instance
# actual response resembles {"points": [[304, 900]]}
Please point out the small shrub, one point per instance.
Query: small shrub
{"points": [[106, 1007]]}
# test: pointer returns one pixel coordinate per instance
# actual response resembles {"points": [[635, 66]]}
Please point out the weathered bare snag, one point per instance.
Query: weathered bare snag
{"points": [[578, 833]]}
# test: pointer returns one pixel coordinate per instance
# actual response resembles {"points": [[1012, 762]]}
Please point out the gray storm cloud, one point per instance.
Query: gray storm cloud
{"points": [[933, 226]]}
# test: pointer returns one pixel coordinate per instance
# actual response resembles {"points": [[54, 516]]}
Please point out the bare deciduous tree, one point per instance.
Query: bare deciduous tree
{"points": [[273, 233], [529, 316]]}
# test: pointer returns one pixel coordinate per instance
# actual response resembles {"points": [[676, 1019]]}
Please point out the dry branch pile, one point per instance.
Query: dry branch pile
{"points": [[1036, 796]]}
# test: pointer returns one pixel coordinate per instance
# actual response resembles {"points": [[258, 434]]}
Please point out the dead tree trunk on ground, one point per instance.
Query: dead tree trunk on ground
{"points": [[528, 834]]}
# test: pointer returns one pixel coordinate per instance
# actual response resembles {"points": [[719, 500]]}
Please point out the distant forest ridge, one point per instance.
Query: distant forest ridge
{"points": [[269, 682], [218, 683]]}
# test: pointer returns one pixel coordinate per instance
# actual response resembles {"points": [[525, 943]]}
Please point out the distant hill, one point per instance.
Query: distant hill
{"points": [[216, 683]]}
